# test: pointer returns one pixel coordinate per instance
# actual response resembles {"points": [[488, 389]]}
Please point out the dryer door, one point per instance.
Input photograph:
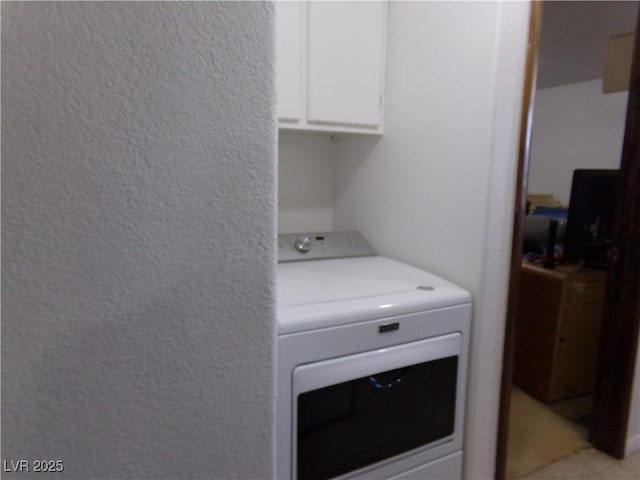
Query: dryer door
{"points": [[355, 411]]}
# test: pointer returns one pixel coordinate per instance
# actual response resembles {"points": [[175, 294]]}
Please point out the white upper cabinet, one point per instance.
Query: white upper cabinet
{"points": [[346, 65], [331, 60], [291, 59]]}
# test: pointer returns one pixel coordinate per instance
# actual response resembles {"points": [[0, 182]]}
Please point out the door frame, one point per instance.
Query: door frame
{"points": [[524, 153], [619, 335]]}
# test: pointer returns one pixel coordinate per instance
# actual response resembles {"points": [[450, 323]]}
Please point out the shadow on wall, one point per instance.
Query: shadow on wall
{"points": [[123, 388], [354, 165]]}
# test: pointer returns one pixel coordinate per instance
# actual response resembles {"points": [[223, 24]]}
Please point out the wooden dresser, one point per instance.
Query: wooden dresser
{"points": [[558, 330]]}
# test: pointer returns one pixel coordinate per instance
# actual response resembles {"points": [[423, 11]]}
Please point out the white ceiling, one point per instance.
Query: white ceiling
{"points": [[574, 38]]}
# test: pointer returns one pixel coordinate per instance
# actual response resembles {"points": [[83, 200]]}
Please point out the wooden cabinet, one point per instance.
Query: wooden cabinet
{"points": [[558, 330], [331, 64]]}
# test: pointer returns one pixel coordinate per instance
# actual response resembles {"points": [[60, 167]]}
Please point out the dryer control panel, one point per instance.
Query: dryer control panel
{"points": [[294, 247]]}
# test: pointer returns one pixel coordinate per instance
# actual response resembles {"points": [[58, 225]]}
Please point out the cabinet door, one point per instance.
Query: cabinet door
{"points": [[290, 55], [346, 58]]}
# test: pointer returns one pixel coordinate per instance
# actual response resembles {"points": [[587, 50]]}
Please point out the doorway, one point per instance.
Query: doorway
{"points": [[608, 402]]}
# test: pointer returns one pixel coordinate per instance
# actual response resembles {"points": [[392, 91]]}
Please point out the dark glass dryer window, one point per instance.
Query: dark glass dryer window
{"points": [[353, 424]]}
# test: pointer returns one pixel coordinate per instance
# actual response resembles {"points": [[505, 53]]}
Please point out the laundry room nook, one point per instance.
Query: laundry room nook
{"points": [[428, 179], [420, 160]]}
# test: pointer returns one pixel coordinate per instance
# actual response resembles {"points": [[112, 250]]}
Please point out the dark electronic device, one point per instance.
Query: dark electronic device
{"points": [[590, 219], [549, 259]]}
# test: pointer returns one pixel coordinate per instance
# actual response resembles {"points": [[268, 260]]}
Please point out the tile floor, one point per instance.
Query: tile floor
{"points": [[590, 464]]}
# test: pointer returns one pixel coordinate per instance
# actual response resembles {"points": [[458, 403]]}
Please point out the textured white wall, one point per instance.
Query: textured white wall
{"points": [[574, 126], [138, 233], [437, 189], [305, 182]]}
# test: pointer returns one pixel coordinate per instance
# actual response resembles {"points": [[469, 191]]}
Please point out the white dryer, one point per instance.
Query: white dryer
{"points": [[371, 363]]}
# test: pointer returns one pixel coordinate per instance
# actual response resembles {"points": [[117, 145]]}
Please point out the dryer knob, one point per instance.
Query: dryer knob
{"points": [[303, 244]]}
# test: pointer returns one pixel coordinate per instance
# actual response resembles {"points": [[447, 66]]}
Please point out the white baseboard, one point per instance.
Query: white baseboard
{"points": [[633, 446]]}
